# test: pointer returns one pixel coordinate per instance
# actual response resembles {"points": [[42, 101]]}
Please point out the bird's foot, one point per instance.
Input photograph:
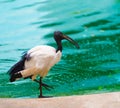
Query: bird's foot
{"points": [[15, 76], [44, 96], [44, 85], [47, 86]]}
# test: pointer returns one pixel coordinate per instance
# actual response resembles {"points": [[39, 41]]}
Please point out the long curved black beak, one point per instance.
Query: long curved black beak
{"points": [[71, 41]]}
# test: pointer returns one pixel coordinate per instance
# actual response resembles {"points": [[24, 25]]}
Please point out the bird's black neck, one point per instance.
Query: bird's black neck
{"points": [[59, 44]]}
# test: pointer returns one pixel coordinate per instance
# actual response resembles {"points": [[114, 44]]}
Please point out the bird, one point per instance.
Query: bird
{"points": [[39, 60]]}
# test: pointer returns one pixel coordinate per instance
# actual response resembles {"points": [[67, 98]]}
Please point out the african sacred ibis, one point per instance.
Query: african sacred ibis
{"points": [[38, 61]]}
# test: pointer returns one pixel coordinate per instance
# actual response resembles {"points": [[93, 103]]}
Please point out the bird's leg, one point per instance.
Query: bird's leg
{"points": [[40, 83], [47, 86], [44, 85]]}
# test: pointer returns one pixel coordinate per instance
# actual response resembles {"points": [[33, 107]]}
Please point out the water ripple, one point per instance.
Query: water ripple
{"points": [[97, 23], [29, 5], [87, 14], [51, 24]]}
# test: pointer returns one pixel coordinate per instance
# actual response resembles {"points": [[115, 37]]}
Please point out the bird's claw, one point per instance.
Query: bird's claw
{"points": [[44, 85], [44, 96], [47, 86]]}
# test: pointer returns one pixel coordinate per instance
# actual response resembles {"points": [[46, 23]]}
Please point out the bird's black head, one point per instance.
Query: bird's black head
{"points": [[58, 36]]}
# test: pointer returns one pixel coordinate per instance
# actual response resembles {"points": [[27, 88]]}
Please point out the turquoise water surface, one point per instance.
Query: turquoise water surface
{"points": [[95, 25]]}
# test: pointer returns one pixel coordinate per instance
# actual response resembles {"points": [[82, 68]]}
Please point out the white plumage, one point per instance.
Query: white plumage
{"points": [[42, 58]]}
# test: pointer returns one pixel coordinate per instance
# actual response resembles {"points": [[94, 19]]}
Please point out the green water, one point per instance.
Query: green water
{"points": [[95, 25]]}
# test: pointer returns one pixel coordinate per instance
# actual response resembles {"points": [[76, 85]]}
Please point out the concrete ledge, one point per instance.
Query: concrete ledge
{"points": [[106, 100]]}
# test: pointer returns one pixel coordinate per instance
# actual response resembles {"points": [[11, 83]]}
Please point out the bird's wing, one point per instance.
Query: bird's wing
{"points": [[18, 66]]}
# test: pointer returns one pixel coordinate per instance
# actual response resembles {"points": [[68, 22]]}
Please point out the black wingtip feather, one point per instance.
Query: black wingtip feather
{"points": [[18, 66]]}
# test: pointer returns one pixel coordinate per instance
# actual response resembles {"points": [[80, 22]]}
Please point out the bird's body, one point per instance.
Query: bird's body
{"points": [[41, 59]]}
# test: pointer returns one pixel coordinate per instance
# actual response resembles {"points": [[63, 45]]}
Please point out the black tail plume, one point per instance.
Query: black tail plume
{"points": [[17, 67]]}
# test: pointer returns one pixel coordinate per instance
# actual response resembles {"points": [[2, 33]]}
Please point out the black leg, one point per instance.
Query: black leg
{"points": [[40, 87], [40, 83], [44, 85]]}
